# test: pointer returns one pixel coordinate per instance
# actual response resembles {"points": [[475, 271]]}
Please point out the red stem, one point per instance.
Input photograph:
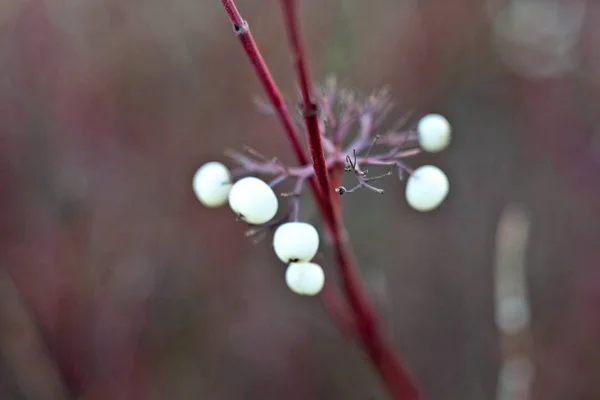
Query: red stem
{"points": [[380, 352], [273, 93]]}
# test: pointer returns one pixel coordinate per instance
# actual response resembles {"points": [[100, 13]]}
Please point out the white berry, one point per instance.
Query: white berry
{"points": [[253, 200], [296, 241], [212, 183], [305, 278], [426, 188], [434, 133]]}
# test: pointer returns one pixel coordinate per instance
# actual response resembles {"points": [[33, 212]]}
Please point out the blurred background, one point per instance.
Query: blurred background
{"points": [[115, 283]]}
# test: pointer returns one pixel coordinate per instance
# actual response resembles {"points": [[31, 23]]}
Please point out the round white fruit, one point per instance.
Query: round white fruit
{"points": [[426, 188], [434, 133], [212, 183], [295, 241], [305, 278], [253, 201]]}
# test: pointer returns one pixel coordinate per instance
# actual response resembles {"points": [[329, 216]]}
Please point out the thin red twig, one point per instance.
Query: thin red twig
{"points": [[380, 352], [273, 93]]}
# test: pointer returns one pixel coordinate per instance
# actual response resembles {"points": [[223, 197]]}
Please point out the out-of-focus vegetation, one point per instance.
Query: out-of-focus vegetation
{"points": [[117, 284]]}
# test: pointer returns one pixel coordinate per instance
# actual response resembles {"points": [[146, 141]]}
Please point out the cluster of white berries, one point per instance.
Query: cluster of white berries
{"points": [[296, 243], [251, 199], [428, 186], [254, 202]]}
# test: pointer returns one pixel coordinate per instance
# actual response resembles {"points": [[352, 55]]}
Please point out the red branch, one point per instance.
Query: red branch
{"points": [[380, 352], [273, 93]]}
